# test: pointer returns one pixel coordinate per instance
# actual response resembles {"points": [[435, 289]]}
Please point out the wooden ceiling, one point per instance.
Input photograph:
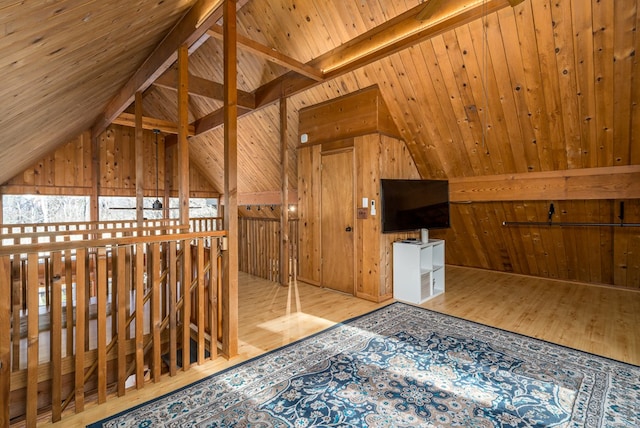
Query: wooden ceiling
{"points": [[552, 85], [61, 61], [539, 86]]}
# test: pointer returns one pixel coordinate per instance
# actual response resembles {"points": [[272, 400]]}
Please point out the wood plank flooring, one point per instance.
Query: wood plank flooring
{"points": [[600, 320]]}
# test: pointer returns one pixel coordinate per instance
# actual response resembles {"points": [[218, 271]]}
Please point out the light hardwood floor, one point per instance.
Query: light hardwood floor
{"points": [[600, 320]]}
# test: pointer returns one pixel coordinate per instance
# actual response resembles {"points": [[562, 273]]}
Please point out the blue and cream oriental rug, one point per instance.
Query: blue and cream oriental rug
{"points": [[404, 366]]}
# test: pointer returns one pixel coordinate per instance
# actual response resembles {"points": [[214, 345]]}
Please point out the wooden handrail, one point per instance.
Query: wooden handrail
{"points": [[87, 225], [64, 234], [107, 242], [76, 226]]}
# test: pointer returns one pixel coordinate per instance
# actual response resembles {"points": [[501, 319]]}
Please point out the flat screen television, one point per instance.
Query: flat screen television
{"points": [[414, 204]]}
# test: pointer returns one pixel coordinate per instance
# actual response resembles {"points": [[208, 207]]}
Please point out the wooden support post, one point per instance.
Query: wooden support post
{"points": [[139, 151], [186, 304], [56, 336], [120, 274], [5, 339], [102, 285], [230, 275], [95, 185], [68, 276], [284, 198], [82, 284], [33, 338], [183, 130], [139, 292], [17, 302], [168, 178], [213, 298], [201, 302], [173, 300], [153, 275]]}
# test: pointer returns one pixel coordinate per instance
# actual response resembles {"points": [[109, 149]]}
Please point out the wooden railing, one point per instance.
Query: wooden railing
{"points": [[47, 236], [13, 234], [83, 225], [90, 317], [206, 223], [259, 247]]}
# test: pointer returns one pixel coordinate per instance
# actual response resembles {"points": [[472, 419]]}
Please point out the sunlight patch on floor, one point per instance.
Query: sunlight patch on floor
{"points": [[296, 323]]}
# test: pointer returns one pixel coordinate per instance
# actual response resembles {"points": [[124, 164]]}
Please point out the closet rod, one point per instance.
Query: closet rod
{"points": [[546, 223]]}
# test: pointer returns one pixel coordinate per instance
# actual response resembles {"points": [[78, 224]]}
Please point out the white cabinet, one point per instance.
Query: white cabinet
{"points": [[418, 270]]}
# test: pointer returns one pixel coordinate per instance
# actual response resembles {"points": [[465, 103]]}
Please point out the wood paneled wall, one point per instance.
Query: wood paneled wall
{"points": [[309, 186], [561, 94], [604, 255], [69, 170], [376, 156]]}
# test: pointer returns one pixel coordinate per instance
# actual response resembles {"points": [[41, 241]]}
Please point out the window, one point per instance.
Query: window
{"points": [[124, 208], [21, 209]]}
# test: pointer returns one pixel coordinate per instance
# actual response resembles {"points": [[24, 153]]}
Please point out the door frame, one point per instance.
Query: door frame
{"points": [[332, 151]]}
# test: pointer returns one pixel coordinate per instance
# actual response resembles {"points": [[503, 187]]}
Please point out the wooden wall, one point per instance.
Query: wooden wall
{"points": [[69, 170], [309, 182], [554, 88], [603, 255], [376, 156]]}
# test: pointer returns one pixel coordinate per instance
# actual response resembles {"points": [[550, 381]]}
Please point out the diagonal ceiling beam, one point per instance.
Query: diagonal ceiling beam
{"points": [[204, 88], [271, 55], [371, 46], [401, 32], [431, 7], [188, 30], [213, 120]]}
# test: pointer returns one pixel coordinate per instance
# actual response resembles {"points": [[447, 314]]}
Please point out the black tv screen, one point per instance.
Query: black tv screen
{"points": [[414, 204]]}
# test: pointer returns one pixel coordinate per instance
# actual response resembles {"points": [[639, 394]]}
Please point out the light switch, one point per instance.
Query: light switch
{"points": [[365, 202]]}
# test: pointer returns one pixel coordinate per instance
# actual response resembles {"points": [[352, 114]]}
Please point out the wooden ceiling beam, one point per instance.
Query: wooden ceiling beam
{"points": [[384, 40], [204, 88], [371, 46], [429, 10], [150, 123], [189, 30], [271, 55], [215, 119], [616, 182]]}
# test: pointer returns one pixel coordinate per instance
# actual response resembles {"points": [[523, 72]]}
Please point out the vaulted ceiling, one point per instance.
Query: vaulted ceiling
{"points": [[553, 84]]}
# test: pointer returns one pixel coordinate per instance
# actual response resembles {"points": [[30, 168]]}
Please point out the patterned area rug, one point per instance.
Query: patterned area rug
{"points": [[404, 366]]}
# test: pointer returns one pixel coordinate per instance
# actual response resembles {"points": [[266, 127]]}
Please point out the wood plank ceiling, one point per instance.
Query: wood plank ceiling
{"points": [[543, 86], [61, 61]]}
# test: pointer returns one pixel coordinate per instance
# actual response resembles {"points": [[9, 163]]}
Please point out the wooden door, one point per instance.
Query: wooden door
{"points": [[338, 221]]}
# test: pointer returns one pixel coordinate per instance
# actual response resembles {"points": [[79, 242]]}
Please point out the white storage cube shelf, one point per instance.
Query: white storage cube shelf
{"points": [[418, 270]]}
